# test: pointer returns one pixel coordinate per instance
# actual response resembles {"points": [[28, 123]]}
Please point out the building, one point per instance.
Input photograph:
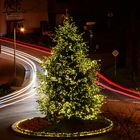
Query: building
{"points": [[110, 25], [29, 14]]}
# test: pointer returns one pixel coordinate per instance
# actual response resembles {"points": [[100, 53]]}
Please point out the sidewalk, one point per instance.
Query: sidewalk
{"points": [[7, 70]]}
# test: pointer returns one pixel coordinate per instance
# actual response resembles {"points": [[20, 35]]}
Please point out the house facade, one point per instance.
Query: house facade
{"points": [[109, 26], [29, 14]]}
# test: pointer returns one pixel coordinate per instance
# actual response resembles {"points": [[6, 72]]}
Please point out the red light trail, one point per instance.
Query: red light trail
{"points": [[27, 45], [116, 85], [117, 91], [121, 90]]}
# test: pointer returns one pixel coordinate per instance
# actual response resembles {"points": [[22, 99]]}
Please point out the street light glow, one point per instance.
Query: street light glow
{"points": [[22, 29]]}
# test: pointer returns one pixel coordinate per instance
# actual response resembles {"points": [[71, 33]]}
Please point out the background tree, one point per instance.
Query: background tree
{"points": [[69, 88]]}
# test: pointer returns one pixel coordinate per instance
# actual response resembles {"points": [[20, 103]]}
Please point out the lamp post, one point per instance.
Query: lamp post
{"points": [[14, 53], [15, 46]]}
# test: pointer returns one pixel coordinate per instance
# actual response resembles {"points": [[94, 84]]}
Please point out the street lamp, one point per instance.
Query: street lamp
{"points": [[22, 29], [14, 53], [15, 46]]}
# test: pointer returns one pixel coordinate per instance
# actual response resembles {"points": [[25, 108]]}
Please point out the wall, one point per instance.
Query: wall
{"points": [[2, 19], [32, 13]]}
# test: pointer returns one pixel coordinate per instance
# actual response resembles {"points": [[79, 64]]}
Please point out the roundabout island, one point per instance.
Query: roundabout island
{"points": [[40, 127], [68, 95]]}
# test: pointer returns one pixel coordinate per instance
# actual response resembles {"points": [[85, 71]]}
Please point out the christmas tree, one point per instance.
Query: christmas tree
{"points": [[69, 88]]}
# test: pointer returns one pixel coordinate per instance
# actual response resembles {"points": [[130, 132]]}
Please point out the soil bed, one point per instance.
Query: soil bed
{"points": [[63, 128]]}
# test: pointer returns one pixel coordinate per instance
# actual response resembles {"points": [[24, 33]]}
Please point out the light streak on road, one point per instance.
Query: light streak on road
{"points": [[23, 56], [25, 43], [32, 67], [24, 91], [117, 91], [116, 85], [30, 94], [38, 48]]}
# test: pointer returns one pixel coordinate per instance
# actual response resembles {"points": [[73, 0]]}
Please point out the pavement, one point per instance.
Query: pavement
{"points": [[7, 70]]}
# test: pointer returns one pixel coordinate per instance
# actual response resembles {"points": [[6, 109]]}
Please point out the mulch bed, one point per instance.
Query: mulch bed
{"points": [[73, 125]]}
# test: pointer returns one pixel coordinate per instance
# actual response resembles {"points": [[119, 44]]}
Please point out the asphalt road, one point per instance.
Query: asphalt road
{"points": [[25, 109], [28, 108], [22, 110], [10, 114]]}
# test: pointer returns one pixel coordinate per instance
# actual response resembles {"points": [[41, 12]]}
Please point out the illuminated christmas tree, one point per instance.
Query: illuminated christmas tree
{"points": [[69, 88]]}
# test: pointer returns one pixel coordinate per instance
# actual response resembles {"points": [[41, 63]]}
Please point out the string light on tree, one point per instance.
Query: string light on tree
{"points": [[69, 89]]}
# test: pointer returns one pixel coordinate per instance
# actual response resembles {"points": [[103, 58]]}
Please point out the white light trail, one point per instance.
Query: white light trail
{"points": [[24, 57], [31, 93]]}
